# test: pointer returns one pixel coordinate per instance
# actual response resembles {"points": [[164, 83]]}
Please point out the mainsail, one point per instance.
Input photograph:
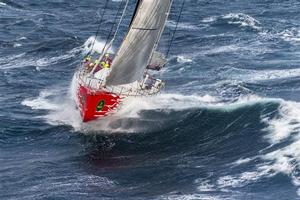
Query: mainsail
{"points": [[141, 40]]}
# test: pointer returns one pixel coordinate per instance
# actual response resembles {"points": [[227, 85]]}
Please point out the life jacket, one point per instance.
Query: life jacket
{"points": [[105, 64], [108, 60]]}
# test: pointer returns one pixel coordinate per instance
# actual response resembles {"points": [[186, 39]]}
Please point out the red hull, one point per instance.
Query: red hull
{"points": [[96, 104]]}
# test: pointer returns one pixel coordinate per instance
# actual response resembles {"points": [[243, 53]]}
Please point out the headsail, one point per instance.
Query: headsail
{"points": [[137, 48]]}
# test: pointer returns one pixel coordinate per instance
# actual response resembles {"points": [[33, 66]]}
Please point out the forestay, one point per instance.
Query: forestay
{"points": [[137, 47]]}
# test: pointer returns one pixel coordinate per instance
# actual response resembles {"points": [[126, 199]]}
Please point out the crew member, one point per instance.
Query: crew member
{"points": [[89, 67], [105, 64], [107, 59], [87, 59], [86, 62]]}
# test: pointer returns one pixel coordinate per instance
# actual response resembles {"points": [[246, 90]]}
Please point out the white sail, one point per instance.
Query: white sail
{"points": [[137, 48]]}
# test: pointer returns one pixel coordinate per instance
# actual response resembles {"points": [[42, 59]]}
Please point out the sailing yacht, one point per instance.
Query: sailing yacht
{"points": [[101, 90]]}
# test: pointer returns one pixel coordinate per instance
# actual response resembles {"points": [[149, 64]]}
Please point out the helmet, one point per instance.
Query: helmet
{"points": [[107, 55]]}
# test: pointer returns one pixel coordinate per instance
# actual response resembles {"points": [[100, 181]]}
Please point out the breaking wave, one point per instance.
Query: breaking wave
{"points": [[181, 25], [280, 157], [94, 44], [290, 35], [240, 19]]}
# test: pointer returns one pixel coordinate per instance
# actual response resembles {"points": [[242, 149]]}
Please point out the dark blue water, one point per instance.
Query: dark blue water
{"points": [[227, 125]]}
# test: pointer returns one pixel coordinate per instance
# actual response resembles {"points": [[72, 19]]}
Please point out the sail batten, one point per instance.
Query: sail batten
{"points": [[140, 42]]}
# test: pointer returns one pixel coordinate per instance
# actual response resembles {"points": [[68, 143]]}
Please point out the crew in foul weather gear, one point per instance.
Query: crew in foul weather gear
{"points": [[87, 59], [108, 59], [89, 67], [87, 62], [105, 65]]}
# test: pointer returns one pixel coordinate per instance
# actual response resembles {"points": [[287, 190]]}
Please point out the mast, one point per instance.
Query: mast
{"points": [[145, 30]]}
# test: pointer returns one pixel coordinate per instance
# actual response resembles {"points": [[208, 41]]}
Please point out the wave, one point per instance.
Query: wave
{"points": [[24, 59], [3, 4], [11, 4], [93, 44], [181, 25], [11, 62], [281, 156], [191, 197], [254, 48], [251, 75], [285, 129], [290, 35], [240, 19], [184, 59]]}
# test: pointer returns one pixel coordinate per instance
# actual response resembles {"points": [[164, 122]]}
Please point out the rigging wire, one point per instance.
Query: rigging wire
{"points": [[99, 26], [107, 44], [175, 30], [113, 26], [122, 16]]}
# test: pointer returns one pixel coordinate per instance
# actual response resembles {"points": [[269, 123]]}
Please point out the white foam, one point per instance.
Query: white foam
{"points": [[242, 179], [181, 25], [22, 38], [184, 59], [68, 183], [243, 20], [93, 45], [62, 110], [251, 75], [287, 122], [242, 161], [224, 49], [11, 58], [290, 35], [205, 185], [190, 197], [285, 160], [283, 129], [17, 45], [41, 102], [209, 19]]}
